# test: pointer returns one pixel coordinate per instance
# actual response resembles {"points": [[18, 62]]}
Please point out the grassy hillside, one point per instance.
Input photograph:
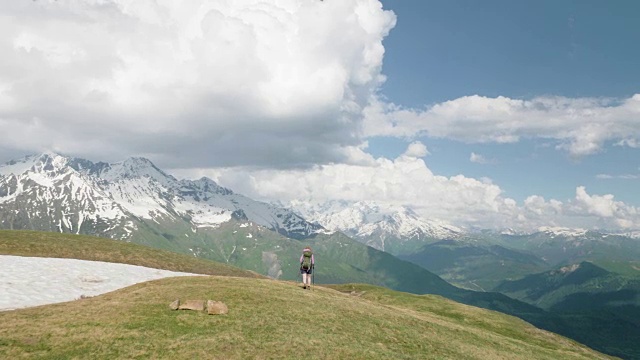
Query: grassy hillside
{"points": [[47, 244], [339, 257], [273, 319]]}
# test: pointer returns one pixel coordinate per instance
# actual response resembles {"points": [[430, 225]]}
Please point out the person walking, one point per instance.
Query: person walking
{"points": [[307, 262]]}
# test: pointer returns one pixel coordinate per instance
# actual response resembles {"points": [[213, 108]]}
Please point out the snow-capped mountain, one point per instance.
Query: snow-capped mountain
{"points": [[553, 232], [393, 229], [57, 193], [45, 193]]}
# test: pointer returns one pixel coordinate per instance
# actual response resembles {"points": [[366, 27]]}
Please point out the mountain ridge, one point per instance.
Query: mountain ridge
{"points": [[395, 229], [133, 189]]}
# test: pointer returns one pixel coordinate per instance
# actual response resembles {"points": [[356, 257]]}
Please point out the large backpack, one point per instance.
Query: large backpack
{"points": [[306, 259]]}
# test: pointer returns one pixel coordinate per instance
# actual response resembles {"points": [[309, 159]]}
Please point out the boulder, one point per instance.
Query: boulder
{"points": [[175, 305], [216, 308]]}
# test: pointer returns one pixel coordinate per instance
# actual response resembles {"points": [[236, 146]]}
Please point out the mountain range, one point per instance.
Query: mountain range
{"points": [[561, 289], [393, 229], [56, 193], [134, 200]]}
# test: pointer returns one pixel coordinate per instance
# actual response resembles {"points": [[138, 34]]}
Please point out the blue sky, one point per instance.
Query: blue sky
{"points": [[442, 50], [480, 114]]}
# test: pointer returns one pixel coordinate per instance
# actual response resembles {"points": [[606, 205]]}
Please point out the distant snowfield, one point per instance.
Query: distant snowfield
{"points": [[34, 281]]}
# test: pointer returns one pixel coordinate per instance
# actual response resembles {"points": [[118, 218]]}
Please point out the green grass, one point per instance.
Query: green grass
{"points": [[271, 319], [267, 319]]}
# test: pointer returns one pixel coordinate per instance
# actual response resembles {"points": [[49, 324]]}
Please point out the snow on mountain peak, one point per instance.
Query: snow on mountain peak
{"points": [[405, 223], [510, 231], [36, 163], [16, 167], [364, 219], [561, 231], [135, 167], [205, 185]]}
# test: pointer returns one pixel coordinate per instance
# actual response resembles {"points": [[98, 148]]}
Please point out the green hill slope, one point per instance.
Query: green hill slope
{"points": [[273, 319]]}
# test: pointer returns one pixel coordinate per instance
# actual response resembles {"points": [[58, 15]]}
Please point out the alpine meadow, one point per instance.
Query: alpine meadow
{"points": [[136, 322], [321, 179]]}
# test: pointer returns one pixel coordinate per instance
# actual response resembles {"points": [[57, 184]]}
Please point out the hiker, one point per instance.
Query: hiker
{"points": [[307, 262]]}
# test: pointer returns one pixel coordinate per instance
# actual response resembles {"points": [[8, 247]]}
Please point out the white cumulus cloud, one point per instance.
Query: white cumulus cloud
{"points": [[585, 210], [245, 82], [417, 149], [477, 158], [580, 126]]}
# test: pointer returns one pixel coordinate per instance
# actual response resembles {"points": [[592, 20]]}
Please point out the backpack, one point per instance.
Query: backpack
{"points": [[306, 259]]}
